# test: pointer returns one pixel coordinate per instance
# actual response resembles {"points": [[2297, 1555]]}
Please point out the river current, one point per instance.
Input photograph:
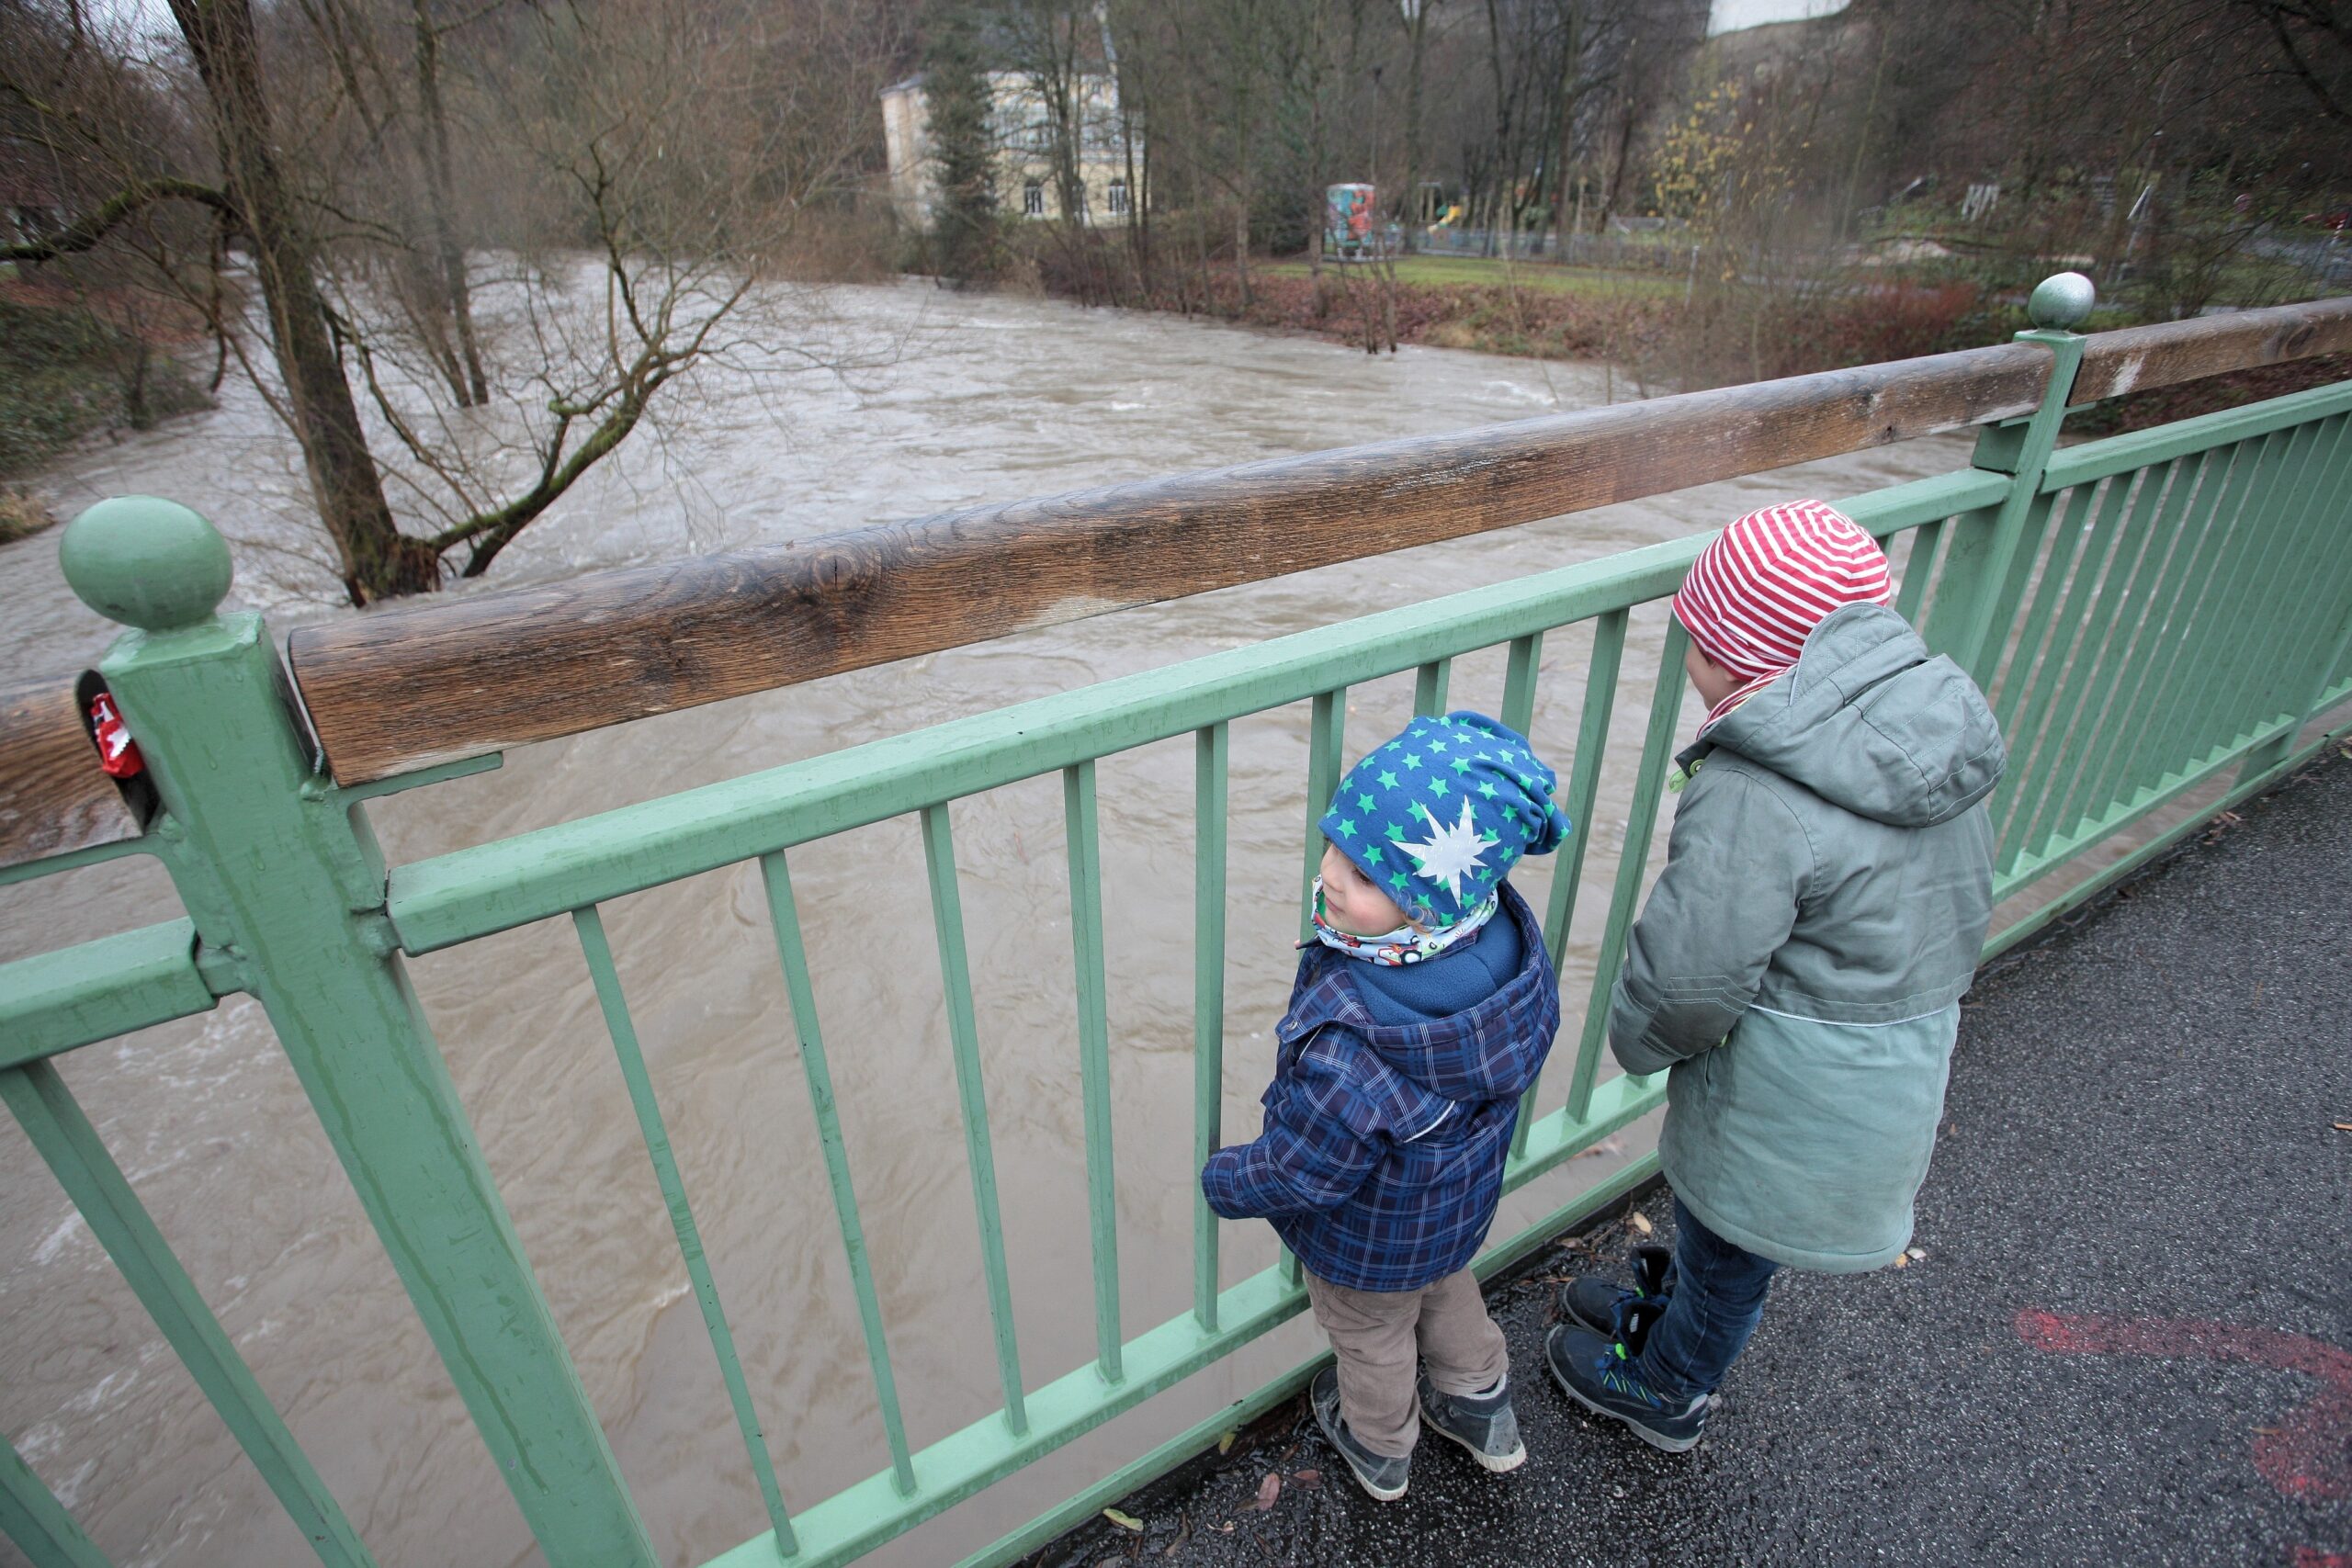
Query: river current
{"points": [[959, 400]]}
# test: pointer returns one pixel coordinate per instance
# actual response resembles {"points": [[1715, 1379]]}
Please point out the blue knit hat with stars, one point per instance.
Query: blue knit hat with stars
{"points": [[1439, 816]]}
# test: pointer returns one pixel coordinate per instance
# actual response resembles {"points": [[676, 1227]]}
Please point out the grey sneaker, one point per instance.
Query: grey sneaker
{"points": [[1376, 1473], [1486, 1428]]}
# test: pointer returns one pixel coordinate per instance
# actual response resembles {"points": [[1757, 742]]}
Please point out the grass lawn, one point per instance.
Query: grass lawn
{"points": [[1480, 272]]}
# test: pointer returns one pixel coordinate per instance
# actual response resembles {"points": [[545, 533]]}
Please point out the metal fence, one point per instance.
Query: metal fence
{"points": [[2149, 614]]}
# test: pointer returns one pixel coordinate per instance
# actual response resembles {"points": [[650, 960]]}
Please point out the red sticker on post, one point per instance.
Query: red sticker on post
{"points": [[117, 752]]}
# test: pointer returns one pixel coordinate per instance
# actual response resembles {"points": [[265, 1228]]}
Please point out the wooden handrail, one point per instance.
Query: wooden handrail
{"points": [[53, 797], [428, 683], [2137, 358]]}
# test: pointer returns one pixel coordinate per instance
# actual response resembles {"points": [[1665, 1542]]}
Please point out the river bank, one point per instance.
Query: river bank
{"points": [[1651, 333]]}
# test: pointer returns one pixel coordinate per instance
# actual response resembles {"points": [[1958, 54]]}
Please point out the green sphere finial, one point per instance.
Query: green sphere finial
{"points": [[2063, 301], [145, 562]]}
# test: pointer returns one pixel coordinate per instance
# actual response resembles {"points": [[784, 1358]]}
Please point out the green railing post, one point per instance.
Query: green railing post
{"points": [[284, 878], [1983, 569]]}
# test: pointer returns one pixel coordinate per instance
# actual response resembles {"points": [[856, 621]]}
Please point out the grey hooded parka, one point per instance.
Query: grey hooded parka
{"points": [[1800, 962]]}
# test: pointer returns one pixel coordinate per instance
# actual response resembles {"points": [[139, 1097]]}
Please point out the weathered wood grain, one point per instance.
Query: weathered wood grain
{"points": [[53, 798], [2139, 357], [405, 688]]}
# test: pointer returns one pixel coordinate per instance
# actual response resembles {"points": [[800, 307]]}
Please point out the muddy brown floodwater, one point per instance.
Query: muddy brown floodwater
{"points": [[976, 400]]}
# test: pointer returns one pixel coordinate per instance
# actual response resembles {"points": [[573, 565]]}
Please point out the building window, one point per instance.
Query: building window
{"points": [[1032, 201], [1117, 196]]}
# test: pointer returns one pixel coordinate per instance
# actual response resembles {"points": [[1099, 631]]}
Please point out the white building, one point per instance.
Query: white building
{"points": [[1022, 129]]}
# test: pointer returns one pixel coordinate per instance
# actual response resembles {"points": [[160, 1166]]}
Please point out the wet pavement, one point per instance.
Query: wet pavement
{"points": [[2128, 1340]]}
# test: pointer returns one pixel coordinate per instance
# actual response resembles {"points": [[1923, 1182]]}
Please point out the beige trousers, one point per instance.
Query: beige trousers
{"points": [[1377, 1335]]}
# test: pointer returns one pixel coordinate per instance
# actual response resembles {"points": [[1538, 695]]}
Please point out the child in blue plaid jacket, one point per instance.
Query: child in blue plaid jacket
{"points": [[1422, 1010]]}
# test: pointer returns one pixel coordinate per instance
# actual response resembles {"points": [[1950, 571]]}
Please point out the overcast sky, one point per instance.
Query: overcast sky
{"points": [[1730, 16]]}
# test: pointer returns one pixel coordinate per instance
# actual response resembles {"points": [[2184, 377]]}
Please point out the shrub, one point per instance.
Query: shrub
{"points": [[64, 372]]}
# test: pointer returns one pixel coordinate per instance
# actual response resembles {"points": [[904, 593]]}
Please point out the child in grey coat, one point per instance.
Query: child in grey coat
{"points": [[1799, 966]]}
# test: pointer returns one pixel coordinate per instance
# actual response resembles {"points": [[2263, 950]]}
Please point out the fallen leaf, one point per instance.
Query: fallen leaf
{"points": [[1640, 1222], [1183, 1534], [1284, 1457], [1902, 1260], [1268, 1490], [1125, 1521], [1225, 1444], [1310, 1479]]}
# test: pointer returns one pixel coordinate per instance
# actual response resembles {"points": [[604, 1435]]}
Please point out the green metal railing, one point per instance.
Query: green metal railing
{"points": [[2152, 615]]}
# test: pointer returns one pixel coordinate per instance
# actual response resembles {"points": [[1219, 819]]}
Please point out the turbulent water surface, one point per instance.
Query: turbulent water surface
{"points": [[962, 401]]}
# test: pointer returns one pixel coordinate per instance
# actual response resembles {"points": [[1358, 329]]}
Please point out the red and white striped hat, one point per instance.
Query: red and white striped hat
{"points": [[1760, 587]]}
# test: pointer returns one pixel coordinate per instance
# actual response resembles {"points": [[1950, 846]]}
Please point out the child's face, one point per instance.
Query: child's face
{"points": [[1713, 681], [1352, 901]]}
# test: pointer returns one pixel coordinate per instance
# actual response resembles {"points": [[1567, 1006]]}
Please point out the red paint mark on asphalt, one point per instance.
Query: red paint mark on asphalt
{"points": [[2308, 1456], [2309, 1557]]}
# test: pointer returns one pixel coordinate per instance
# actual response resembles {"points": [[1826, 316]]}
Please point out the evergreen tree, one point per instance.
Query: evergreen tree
{"points": [[963, 148]]}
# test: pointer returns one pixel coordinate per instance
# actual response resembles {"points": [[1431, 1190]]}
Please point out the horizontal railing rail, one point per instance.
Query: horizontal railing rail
{"points": [[2157, 618]]}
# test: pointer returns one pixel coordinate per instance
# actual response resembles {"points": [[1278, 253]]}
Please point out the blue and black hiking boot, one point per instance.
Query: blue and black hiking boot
{"points": [[1377, 1473], [1608, 1308], [1486, 1426], [1598, 1373]]}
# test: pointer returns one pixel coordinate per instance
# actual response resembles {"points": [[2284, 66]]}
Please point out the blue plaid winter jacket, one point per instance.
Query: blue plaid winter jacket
{"points": [[1382, 1159]]}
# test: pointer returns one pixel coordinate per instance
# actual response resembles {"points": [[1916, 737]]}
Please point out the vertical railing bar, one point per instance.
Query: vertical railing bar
{"points": [[1209, 763], [2273, 537], [2042, 643], [1080, 818], [1649, 784], [964, 1036], [2002, 654], [31, 1516], [2038, 632], [2260, 698], [596, 947], [1519, 672], [62, 1135], [1430, 682], [2010, 541], [2122, 590], [2333, 631], [1918, 567], [784, 919], [2158, 742], [1584, 788], [1326, 732], [2333, 635], [2174, 612], [2035, 743], [1967, 536], [2154, 623]]}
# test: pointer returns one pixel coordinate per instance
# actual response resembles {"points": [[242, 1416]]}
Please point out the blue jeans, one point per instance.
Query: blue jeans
{"points": [[1718, 1298]]}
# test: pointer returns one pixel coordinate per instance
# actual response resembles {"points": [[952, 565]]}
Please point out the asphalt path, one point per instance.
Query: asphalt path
{"points": [[2128, 1340]]}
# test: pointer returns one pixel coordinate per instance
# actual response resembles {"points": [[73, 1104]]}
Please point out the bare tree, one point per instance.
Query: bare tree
{"points": [[691, 145]]}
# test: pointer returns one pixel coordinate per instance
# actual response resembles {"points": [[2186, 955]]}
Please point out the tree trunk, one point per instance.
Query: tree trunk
{"points": [[1571, 72], [378, 560], [1407, 211], [1241, 242], [438, 182]]}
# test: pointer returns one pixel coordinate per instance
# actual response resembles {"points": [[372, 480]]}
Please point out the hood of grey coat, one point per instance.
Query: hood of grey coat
{"points": [[1871, 721]]}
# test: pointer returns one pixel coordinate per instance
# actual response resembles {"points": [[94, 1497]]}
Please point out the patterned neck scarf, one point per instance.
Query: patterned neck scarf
{"points": [[1746, 690], [1408, 943]]}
